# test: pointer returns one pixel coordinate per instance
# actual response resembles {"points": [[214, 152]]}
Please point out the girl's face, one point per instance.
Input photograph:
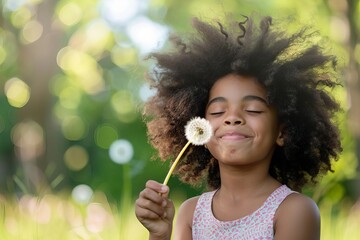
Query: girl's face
{"points": [[245, 126]]}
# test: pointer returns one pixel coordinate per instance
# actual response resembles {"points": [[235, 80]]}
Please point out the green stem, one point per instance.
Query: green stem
{"points": [[175, 163], [125, 203]]}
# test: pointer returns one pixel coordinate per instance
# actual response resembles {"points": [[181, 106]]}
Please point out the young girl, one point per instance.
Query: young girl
{"points": [[265, 93]]}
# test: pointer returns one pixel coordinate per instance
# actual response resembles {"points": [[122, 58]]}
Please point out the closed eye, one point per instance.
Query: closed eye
{"points": [[254, 111], [216, 113]]}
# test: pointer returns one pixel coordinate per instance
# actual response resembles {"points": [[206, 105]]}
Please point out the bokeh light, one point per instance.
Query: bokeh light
{"points": [[39, 210], [121, 151], [123, 104], [60, 112], [97, 217], [82, 193], [105, 134], [70, 13], [76, 158], [28, 137], [70, 97], [119, 12], [17, 92], [123, 56], [20, 17], [83, 68], [94, 39], [146, 34], [74, 128], [70, 213], [12, 5], [31, 32]]}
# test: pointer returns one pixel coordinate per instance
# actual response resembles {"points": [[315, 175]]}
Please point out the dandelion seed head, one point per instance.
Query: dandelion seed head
{"points": [[121, 151], [82, 193], [198, 131]]}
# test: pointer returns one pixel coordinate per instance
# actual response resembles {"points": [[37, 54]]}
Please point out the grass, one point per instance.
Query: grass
{"points": [[340, 224], [60, 217]]}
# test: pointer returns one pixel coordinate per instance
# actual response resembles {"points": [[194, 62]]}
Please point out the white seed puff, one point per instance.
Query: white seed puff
{"points": [[198, 131]]}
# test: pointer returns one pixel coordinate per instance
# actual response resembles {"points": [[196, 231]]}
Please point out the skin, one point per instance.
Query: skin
{"points": [[246, 132]]}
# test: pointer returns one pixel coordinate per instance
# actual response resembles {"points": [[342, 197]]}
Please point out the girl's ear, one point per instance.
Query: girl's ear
{"points": [[280, 138]]}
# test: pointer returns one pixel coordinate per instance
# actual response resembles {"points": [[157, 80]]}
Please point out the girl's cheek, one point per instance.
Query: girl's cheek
{"points": [[215, 125], [210, 145]]}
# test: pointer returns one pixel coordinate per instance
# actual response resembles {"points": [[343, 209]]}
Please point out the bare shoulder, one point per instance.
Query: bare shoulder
{"points": [[297, 217], [186, 210], [183, 224], [190, 203]]}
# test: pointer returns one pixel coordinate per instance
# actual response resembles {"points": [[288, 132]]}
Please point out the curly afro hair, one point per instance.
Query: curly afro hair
{"points": [[296, 73]]}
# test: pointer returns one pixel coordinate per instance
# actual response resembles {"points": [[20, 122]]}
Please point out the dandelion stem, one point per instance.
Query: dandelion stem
{"points": [[175, 163]]}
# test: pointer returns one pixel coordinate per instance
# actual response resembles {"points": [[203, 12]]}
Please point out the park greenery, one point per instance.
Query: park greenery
{"points": [[74, 153]]}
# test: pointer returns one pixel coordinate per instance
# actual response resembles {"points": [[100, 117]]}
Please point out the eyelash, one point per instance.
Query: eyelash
{"points": [[252, 111], [216, 113], [249, 111]]}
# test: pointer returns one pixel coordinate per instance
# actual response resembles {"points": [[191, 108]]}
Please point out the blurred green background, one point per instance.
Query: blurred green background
{"points": [[73, 147]]}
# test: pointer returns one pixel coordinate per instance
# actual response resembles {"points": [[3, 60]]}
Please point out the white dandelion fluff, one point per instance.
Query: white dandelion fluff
{"points": [[82, 193], [121, 151], [198, 131]]}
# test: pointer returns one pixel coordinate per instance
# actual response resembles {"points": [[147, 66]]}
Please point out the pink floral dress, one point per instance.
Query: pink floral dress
{"points": [[257, 226]]}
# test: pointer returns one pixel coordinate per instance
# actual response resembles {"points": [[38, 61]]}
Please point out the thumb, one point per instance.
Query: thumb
{"points": [[165, 191]]}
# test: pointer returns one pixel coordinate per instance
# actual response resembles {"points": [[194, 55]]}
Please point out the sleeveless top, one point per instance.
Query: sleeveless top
{"points": [[258, 225]]}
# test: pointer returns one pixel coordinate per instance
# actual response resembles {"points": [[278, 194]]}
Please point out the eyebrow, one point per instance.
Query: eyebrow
{"points": [[245, 98]]}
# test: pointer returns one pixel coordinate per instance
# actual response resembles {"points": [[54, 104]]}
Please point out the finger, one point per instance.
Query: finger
{"points": [[151, 195], [169, 209], [146, 204], [143, 214], [158, 187]]}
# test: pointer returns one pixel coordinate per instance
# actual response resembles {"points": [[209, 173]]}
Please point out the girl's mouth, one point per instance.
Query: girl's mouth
{"points": [[233, 136]]}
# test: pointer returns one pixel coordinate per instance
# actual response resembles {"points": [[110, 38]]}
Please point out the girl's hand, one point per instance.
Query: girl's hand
{"points": [[155, 211]]}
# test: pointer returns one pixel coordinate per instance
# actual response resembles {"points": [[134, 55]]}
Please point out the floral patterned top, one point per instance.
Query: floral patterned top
{"points": [[258, 225]]}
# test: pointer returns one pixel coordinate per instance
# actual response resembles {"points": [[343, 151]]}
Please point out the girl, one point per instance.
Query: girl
{"points": [[265, 94]]}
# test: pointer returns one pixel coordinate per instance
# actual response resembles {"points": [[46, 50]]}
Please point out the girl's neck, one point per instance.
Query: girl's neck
{"points": [[240, 183]]}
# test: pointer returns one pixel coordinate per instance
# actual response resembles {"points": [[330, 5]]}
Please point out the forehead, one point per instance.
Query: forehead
{"points": [[237, 85]]}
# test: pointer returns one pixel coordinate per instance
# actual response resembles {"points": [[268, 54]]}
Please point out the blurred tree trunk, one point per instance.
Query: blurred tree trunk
{"points": [[352, 81], [346, 11], [38, 65]]}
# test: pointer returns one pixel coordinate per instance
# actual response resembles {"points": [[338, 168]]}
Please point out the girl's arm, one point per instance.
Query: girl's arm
{"points": [[155, 211], [183, 224], [297, 218]]}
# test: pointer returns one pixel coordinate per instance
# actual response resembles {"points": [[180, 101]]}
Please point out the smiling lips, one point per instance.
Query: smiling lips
{"points": [[233, 136]]}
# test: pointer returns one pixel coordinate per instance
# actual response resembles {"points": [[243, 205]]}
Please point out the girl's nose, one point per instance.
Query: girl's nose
{"points": [[234, 120]]}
